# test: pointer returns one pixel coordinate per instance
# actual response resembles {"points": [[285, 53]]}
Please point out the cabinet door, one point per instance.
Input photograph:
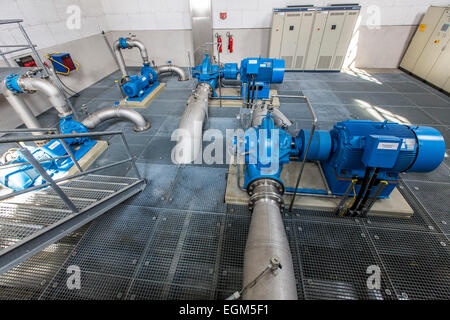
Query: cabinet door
{"points": [[304, 37], [331, 35], [346, 35], [276, 35], [320, 20], [434, 47], [291, 29], [421, 37]]}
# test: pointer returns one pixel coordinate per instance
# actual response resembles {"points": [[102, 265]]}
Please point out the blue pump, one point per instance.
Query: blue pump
{"points": [[345, 152], [263, 70], [140, 86]]}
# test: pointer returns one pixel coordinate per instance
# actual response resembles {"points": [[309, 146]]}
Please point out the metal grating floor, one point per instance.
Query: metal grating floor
{"points": [[178, 240]]}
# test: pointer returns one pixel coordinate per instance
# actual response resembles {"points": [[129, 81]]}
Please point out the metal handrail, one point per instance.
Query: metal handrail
{"points": [[49, 181], [305, 157]]}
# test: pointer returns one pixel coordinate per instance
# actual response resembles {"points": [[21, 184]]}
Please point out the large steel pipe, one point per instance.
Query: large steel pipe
{"points": [[189, 135], [267, 240], [55, 97], [182, 76], [22, 109], [119, 58], [130, 44], [140, 124]]}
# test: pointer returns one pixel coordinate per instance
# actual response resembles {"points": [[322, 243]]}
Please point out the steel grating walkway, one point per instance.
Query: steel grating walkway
{"points": [[178, 240]]}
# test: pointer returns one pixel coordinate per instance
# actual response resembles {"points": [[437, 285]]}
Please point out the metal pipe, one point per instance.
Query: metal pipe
{"points": [[22, 109], [140, 124], [131, 43], [134, 43], [52, 92], [120, 60], [266, 241], [190, 131], [182, 76], [260, 111]]}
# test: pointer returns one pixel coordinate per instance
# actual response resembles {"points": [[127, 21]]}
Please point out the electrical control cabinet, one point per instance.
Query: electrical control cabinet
{"points": [[428, 55], [312, 38]]}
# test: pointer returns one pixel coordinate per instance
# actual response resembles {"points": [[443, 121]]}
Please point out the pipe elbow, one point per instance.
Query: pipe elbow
{"points": [[182, 76], [140, 123], [50, 90]]}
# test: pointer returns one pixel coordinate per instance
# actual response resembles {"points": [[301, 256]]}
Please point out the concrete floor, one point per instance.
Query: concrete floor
{"points": [[179, 240]]}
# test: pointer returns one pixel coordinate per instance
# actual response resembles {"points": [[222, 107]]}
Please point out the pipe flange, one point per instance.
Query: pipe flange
{"points": [[12, 83], [140, 129], [265, 189], [262, 181]]}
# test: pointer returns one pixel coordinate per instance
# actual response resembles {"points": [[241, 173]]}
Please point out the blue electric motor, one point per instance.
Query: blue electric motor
{"points": [[139, 86], [347, 152], [263, 71], [391, 147]]}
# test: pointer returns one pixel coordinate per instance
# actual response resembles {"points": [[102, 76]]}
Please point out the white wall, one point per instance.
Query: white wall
{"points": [[45, 21]]}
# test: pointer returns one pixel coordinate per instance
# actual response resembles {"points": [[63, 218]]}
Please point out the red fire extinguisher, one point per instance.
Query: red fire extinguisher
{"points": [[230, 42], [219, 42]]}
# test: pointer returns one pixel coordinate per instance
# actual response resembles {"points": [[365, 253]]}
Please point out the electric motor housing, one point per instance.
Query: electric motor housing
{"points": [[391, 147]]}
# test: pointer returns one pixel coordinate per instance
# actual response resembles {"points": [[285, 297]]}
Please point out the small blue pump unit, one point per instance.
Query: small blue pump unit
{"points": [[138, 87], [255, 73], [368, 152]]}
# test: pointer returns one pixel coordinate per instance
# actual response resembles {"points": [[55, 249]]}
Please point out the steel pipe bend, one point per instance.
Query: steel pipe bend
{"points": [[21, 108], [134, 43], [140, 124], [182, 76], [50, 90]]}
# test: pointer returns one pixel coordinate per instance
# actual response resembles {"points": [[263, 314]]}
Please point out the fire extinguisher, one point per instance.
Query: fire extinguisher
{"points": [[219, 42], [230, 42]]}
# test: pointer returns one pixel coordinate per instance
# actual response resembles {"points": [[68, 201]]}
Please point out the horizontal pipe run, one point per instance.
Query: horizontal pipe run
{"points": [[60, 136], [29, 130]]}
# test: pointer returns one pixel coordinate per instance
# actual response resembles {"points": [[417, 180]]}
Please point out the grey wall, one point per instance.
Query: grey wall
{"points": [[95, 60]]}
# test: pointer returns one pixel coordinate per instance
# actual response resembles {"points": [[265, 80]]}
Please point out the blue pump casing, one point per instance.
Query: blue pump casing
{"points": [[207, 72], [266, 148]]}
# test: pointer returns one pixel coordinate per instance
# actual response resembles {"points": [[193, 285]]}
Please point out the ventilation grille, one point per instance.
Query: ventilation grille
{"points": [[308, 14], [299, 62], [353, 13], [293, 14], [324, 62], [338, 62], [337, 14], [288, 61]]}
